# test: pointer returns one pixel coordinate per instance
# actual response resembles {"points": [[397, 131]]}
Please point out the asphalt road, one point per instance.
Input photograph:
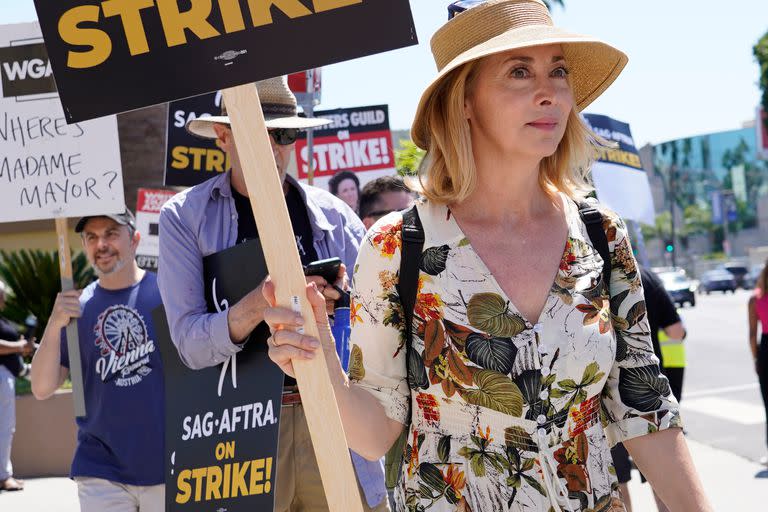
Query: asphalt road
{"points": [[721, 403]]}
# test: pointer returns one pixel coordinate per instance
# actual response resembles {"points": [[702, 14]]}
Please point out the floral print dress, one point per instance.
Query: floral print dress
{"points": [[503, 414]]}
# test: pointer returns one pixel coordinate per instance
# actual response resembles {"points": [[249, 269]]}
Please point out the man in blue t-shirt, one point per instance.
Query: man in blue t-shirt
{"points": [[118, 464]]}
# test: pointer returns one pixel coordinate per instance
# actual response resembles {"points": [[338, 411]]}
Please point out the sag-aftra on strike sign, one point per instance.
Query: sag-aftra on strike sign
{"points": [[116, 55]]}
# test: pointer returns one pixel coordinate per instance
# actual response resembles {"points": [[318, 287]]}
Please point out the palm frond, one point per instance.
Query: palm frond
{"points": [[34, 280]]}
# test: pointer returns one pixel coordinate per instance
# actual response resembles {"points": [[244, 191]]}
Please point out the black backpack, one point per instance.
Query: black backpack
{"points": [[408, 283]]}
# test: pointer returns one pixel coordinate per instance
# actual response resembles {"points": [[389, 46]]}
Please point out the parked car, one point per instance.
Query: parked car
{"points": [[750, 280], [679, 287], [739, 271], [718, 280]]}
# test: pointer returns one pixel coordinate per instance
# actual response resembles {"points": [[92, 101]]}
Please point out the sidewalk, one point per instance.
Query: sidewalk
{"points": [[732, 483]]}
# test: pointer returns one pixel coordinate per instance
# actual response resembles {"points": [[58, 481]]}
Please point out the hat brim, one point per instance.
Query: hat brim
{"points": [[122, 220], [593, 65], [203, 126]]}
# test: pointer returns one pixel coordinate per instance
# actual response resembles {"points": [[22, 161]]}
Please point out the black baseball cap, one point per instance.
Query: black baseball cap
{"points": [[126, 219]]}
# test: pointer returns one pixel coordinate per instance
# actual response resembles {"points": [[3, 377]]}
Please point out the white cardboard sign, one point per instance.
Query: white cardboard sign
{"points": [[48, 168]]}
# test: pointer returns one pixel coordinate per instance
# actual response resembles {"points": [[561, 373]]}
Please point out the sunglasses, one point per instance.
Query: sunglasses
{"points": [[284, 136], [461, 6]]}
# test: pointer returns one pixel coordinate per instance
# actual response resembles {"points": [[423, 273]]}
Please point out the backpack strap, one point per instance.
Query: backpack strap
{"points": [[407, 289], [410, 260], [593, 219]]}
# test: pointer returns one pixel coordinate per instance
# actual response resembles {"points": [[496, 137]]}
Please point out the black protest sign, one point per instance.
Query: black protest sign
{"points": [[119, 55], [190, 160], [222, 422]]}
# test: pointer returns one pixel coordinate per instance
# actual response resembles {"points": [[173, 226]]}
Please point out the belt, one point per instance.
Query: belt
{"points": [[291, 396]]}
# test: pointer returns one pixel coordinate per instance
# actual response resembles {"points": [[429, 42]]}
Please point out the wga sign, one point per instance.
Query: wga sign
{"points": [[26, 71]]}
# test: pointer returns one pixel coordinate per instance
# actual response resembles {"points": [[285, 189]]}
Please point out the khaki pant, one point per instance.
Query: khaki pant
{"points": [[99, 495], [299, 487]]}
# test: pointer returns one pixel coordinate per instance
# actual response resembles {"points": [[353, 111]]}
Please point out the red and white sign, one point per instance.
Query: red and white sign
{"points": [[358, 152], [358, 140], [305, 93], [148, 207]]}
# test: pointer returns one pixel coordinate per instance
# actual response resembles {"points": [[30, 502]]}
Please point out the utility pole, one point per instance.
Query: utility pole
{"points": [[309, 111], [726, 206], [672, 170]]}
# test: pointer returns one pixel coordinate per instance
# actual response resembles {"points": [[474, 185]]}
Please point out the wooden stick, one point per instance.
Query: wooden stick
{"points": [[265, 191], [73, 338]]}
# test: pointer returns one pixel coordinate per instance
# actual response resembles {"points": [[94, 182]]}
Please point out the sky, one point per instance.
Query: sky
{"points": [[691, 69]]}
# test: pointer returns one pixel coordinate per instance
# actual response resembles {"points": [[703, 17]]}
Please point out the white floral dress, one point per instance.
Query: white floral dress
{"points": [[503, 414]]}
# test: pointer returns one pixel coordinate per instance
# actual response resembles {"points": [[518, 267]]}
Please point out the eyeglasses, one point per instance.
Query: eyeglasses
{"points": [[461, 6], [284, 136]]}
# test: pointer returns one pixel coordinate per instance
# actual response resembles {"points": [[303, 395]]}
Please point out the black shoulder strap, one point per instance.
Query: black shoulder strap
{"points": [[410, 260], [593, 219], [407, 289]]}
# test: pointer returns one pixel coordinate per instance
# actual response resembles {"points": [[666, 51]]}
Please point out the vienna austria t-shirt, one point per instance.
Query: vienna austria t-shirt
{"points": [[122, 436]]}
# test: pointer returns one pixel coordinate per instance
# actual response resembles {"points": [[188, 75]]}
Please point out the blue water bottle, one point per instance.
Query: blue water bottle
{"points": [[341, 329]]}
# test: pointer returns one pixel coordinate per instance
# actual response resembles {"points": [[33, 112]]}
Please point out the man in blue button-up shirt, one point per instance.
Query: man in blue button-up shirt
{"points": [[216, 215]]}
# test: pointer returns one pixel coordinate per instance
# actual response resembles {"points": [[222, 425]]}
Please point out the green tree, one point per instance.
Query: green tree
{"points": [[697, 220], [33, 277], [408, 159]]}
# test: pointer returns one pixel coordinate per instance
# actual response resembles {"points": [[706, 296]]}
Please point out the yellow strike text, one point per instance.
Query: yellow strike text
{"points": [[79, 26], [230, 480]]}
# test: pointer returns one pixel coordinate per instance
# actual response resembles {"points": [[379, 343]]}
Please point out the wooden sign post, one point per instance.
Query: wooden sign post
{"points": [[73, 338], [269, 209]]}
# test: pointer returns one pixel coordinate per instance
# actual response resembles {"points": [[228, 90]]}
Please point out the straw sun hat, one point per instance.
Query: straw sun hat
{"points": [[495, 26], [278, 104]]}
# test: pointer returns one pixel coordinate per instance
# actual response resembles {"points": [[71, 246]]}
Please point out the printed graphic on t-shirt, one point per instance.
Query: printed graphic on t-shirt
{"points": [[124, 345]]}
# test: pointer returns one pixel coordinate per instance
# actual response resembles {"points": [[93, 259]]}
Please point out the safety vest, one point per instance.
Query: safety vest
{"points": [[672, 351]]}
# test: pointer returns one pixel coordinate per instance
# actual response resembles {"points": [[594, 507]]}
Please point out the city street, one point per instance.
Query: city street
{"points": [[721, 398]]}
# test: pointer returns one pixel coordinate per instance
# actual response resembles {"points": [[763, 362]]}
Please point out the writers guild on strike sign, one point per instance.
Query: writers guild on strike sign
{"points": [[358, 140]]}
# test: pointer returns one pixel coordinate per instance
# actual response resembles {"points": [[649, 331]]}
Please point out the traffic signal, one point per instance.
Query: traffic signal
{"points": [[669, 246]]}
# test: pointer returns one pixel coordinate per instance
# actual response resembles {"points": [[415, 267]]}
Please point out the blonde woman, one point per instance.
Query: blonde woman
{"points": [[525, 366], [758, 314]]}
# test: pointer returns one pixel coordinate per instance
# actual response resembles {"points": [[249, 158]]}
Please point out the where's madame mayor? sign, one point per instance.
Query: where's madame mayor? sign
{"points": [[190, 160], [222, 422], [48, 168], [358, 140], [98, 48]]}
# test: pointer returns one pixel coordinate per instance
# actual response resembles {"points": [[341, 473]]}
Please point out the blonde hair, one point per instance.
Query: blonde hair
{"points": [[448, 174]]}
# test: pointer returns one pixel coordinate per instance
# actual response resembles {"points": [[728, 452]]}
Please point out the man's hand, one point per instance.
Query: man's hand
{"points": [[66, 307], [29, 346], [329, 292], [244, 316]]}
